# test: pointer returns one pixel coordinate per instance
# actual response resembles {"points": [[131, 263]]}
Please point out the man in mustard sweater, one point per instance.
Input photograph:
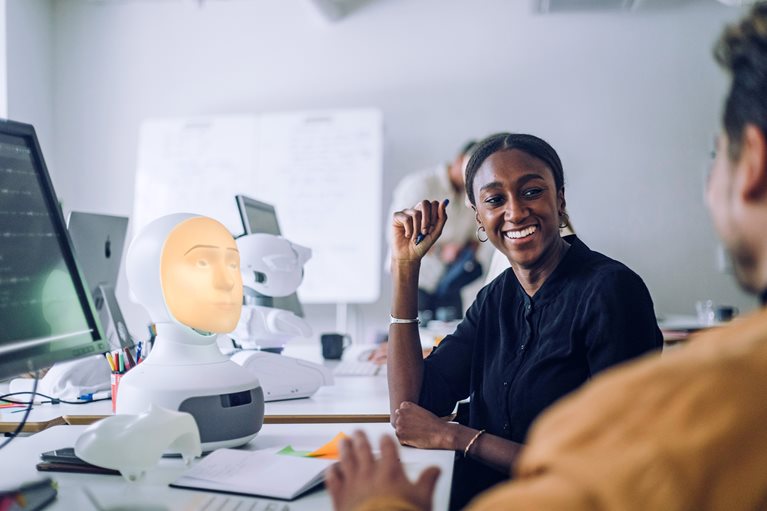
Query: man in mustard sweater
{"points": [[686, 431]]}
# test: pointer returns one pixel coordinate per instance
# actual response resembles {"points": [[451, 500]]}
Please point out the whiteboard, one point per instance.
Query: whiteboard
{"points": [[322, 170]]}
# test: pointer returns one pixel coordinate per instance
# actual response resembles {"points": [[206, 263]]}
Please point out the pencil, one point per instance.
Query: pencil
{"points": [[421, 236], [108, 356]]}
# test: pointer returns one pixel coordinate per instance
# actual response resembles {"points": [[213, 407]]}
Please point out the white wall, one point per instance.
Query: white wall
{"points": [[29, 80], [630, 100], [3, 63]]}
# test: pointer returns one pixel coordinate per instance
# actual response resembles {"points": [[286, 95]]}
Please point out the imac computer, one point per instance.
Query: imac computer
{"points": [[46, 311], [260, 217], [98, 242]]}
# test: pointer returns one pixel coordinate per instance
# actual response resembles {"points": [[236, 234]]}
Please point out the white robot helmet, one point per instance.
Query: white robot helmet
{"points": [[142, 265], [271, 265]]}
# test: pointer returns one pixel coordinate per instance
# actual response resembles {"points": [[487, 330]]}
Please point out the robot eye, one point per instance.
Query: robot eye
{"points": [[259, 277]]}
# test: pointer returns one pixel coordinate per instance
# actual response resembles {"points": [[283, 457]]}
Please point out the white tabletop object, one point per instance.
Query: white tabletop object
{"points": [[111, 492]]}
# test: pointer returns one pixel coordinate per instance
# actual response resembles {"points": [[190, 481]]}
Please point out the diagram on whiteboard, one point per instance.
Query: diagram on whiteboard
{"points": [[322, 170]]}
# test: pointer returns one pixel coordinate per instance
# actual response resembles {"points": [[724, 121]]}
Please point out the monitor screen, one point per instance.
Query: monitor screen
{"points": [[259, 216], [45, 309]]}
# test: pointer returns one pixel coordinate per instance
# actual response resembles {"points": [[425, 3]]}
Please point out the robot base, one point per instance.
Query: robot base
{"points": [[226, 401]]}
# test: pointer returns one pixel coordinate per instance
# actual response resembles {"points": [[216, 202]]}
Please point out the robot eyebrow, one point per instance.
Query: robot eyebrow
{"points": [[201, 246]]}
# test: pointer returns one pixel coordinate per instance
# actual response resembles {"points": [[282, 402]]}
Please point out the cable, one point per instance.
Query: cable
{"points": [[26, 414], [52, 400]]}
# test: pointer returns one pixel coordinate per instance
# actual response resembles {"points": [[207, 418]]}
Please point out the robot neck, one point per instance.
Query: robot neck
{"points": [[180, 345]]}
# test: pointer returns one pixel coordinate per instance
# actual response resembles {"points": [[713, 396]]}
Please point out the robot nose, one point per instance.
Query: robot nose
{"points": [[259, 277]]}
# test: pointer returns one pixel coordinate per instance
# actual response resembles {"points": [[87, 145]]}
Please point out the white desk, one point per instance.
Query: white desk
{"points": [[21, 455], [44, 416], [351, 399]]}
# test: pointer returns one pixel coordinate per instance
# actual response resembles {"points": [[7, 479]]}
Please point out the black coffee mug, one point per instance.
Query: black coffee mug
{"points": [[725, 312], [333, 345]]}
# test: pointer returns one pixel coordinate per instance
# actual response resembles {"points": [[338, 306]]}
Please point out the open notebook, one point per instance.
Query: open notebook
{"points": [[263, 473]]}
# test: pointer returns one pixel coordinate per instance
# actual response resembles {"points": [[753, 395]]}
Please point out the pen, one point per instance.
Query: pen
{"points": [[95, 395], [122, 362], [12, 405], [421, 236], [130, 363]]}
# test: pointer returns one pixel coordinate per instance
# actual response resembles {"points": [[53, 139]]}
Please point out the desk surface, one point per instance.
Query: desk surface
{"points": [[677, 328], [351, 399], [153, 492]]}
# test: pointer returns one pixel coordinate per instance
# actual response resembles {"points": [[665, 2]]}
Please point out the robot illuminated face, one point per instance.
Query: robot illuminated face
{"points": [[200, 272]]}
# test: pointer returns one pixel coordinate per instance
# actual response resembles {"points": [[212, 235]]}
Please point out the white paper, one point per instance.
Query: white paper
{"points": [[264, 473]]}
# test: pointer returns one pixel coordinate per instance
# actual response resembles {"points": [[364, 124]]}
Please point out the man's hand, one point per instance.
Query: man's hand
{"points": [[359, 477], [418, 427]]}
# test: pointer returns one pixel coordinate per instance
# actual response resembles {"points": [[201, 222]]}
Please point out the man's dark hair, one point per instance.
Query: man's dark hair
{"points": [[529, 144], [742, 50]]}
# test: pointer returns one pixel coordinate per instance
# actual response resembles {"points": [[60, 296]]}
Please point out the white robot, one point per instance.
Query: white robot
{"points": [[274, 267], [185, 270], [271, 267]]}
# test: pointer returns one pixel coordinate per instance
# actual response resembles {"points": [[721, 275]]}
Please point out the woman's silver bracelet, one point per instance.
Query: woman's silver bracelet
{"points": [[400, 321]]}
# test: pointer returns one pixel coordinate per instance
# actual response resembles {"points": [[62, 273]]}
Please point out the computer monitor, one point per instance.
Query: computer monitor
{"points": [[261, 217], [46, 311], [98, 241]]}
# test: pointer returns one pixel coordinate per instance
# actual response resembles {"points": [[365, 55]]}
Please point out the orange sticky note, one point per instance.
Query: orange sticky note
{"points": [[330, 450]]}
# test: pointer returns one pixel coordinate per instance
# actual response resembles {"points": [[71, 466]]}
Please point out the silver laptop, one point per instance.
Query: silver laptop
{"points": [[99, 241]]}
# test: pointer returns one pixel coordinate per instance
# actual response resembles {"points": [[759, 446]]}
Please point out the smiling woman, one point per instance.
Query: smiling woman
{"points": [[559, 315]]}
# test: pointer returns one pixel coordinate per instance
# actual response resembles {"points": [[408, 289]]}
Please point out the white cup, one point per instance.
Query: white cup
{"points": [[706, 312]]}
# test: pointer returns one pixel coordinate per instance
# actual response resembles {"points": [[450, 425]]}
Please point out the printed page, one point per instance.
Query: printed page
{"points": [[263, 473]]}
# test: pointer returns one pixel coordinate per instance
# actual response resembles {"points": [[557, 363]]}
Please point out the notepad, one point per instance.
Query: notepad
{"points": [[262, 473]]}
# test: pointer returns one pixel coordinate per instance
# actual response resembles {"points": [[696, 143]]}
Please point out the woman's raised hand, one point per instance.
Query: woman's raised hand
{"points": [[415, 230]]}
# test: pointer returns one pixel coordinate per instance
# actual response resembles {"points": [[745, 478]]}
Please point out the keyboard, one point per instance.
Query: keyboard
{"points": [[231, 503], [358, 368]]}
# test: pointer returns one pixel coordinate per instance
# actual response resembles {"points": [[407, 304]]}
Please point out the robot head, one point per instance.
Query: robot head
{"points": [[272, 265], [186, 269]]}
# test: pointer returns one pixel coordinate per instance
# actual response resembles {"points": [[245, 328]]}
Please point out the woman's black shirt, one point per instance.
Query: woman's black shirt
{"points": [[514, 355]]}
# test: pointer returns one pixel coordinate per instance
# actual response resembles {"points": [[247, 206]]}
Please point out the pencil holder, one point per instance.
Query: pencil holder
{"points": [[116, 377]]}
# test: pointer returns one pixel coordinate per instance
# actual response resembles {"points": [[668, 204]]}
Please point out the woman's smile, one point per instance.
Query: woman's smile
{"points": [[520, 234]]}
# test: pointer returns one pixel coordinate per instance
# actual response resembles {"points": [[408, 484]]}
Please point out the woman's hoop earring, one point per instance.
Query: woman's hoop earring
{"points": [[482, 229]]}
